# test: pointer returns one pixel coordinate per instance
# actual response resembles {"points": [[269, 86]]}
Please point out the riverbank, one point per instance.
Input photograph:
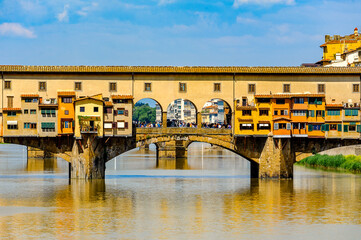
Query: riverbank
{"points": [[349, 163]]}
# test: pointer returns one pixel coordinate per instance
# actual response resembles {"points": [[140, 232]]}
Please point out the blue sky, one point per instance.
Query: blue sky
{"points": [[171, 32]]}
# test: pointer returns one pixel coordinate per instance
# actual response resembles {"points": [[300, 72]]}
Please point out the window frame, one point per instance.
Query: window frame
{"points": [[323, 88], [182, 87], [5, 83], [216, 87], [145, 87], [288, 85], [41, 89], [250, 86], [75, 86], [111, 85], [358, 88]]}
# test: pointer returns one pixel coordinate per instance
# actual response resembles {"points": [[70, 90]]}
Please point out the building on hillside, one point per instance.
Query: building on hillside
{"points": [[48, 117], [89, 116], [66, 113], [29, 107], [213, 111], [316, 115], [337, 45], [123, 112]]}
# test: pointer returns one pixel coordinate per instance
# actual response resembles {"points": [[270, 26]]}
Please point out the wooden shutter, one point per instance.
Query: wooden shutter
{"points": [[310, 127], [115, 112], [339, 127], [126, 113], [126, 125]]}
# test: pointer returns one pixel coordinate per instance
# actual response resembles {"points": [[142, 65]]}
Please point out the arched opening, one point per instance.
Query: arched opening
{"points": [[216, 113], [206, 156], [181, 113], [147, 112]]}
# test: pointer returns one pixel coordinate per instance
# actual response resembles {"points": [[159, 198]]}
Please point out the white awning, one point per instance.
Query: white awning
{"points": [[121, 125], [108, 125], [12, 122]]}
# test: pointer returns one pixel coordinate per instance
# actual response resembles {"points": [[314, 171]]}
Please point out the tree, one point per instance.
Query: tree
{"points": [[144, 113]]}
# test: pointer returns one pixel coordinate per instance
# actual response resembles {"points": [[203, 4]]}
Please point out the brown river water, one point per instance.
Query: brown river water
{"points": [[210, 196]]}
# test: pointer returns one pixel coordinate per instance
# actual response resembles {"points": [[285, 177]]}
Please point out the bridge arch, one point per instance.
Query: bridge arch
{"points": [[216, 111], [181, 112], [154, 115]]}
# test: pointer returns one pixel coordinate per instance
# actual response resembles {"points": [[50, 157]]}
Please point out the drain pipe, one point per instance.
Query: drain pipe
{"points": [[2, 102]]}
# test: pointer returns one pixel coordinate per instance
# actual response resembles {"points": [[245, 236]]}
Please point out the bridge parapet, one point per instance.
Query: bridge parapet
{"points": [[188, 131]]}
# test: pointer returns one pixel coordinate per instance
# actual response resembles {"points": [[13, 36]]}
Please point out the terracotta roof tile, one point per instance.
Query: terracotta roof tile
{"points": [[66, 93], [185, 69], [29, 95], [11, 109], [122, 97]]}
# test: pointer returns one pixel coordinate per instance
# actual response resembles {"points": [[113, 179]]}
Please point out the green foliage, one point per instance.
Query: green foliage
{"points": [[350, 162], [144, 113]]}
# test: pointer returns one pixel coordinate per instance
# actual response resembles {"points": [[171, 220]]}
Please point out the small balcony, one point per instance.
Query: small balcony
{"points": [[88, 129]]}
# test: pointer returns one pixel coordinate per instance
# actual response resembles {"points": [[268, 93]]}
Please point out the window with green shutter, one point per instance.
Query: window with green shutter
{"points": [[339, 127], [348, 112], [52, 111], [327, 127], [345, 128], [322, 127], [354, 112], [42, 111], [310, 127], [358, 128], [323, 113]]}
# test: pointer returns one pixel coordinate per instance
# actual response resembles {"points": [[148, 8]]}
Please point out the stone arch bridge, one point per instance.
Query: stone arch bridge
{"points": [[270, 157]]}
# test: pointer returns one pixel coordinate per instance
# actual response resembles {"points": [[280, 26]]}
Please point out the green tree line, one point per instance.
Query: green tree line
{"points": [[144, 113]]}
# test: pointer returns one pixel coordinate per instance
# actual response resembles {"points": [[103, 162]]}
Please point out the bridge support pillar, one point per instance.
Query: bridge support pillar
{"points": [[164, 119], [88, 158], [172, 154], [277, 159], [199, 120], [38, 153]]}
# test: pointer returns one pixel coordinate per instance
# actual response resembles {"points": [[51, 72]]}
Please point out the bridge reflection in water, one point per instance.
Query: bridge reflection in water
{"points": [[137, 201]]}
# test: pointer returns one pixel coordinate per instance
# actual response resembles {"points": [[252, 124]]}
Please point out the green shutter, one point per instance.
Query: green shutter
{"points": [[358, 128], [322, 127], [348, 112], [345, 128], [52, 125], [42, 111], [323, 113], [52, 111], [339, 127], [43, 125], [327, 127], [47, 111], [354, 112], [312, 113], [307, 113], [310, 127]]}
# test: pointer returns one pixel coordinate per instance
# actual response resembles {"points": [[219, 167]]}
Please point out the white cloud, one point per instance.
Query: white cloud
{"points": [[63, 16], [245, 20], [165, 2], [238, 3], [16, 29], [85, 10]]}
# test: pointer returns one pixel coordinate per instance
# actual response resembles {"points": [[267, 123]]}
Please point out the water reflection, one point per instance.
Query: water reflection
{"points": [[215, 199]]}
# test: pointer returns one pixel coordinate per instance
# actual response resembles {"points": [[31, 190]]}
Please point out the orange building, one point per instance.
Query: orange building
{"points": [[66, 112], [299, 115], [281, 105], [316, 115]]}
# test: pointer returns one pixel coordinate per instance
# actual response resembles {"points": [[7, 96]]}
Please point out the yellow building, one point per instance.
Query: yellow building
{"points": [[12, 120], [339, 45], [89, 116], [245, 120], [351, 119], [263, 118], [333, 120]]}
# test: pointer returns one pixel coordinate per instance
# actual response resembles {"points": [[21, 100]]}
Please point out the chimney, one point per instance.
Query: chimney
{"points": [[355, 31], [327, 38]]}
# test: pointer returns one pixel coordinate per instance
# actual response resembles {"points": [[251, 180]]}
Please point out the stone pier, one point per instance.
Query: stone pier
{"points": [[277, 159]]}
